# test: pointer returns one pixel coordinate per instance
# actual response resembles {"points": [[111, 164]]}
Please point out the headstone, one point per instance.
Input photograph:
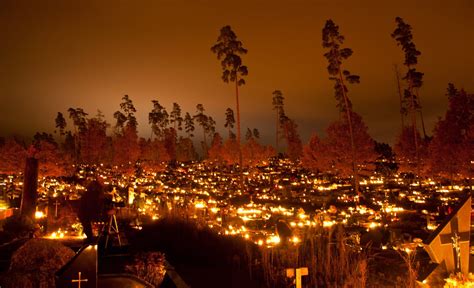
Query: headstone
{"points": [[449, 243], [178, 282], [80, 271]]}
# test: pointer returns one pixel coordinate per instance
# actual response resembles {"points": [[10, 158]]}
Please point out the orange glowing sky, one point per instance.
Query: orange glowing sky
{"points": [[60, 54]]}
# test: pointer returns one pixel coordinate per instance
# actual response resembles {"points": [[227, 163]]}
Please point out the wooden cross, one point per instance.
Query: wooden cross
{"points": [[79, 280], [455, 238], [300, 272]]}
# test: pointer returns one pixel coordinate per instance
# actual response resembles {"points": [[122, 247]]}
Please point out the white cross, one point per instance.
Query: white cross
{"points": [[79, 280], [300, 272]]}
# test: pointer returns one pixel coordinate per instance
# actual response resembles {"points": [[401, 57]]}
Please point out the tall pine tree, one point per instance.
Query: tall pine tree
{"points": [[229, 49], [333, 40]]}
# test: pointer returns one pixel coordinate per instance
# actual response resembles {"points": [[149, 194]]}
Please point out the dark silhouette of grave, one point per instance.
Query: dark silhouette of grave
{"points": [[101, 264], [82, 272]]}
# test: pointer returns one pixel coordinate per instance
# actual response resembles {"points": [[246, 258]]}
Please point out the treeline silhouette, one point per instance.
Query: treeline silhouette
{"points": [[346, 149]]}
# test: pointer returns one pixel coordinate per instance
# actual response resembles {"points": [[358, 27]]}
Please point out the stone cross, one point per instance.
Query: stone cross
{"points": [[79, 280], [56, 204], [455, 238]]}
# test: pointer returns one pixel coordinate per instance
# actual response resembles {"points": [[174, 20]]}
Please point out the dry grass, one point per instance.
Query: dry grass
{"points": [[330, 261], [412, 267]]}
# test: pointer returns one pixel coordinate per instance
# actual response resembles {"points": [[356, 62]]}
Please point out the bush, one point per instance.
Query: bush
{"points": [[34, 264], [18, 226], [149, 266]]}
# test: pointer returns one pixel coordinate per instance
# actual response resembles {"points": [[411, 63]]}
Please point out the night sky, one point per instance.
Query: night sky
{"points": [[60, 54]]}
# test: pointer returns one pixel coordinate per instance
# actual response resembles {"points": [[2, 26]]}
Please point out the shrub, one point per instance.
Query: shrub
{"points": [[34, 264], [18, 226], [330, 260], [149, 266]]}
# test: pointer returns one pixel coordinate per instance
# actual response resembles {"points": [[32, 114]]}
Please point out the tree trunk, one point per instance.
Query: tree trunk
{"points": [[238, 132], [413, 120], [415, 136], [151, 135], [399, 95], [423, 123], [277, 136], [421, 115], [76, 145], [30, 186], [204, 146], [355, 173]]}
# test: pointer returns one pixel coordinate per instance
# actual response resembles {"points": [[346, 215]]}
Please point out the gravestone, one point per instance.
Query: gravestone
{"points": [[449, 244], [80, 271]]}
